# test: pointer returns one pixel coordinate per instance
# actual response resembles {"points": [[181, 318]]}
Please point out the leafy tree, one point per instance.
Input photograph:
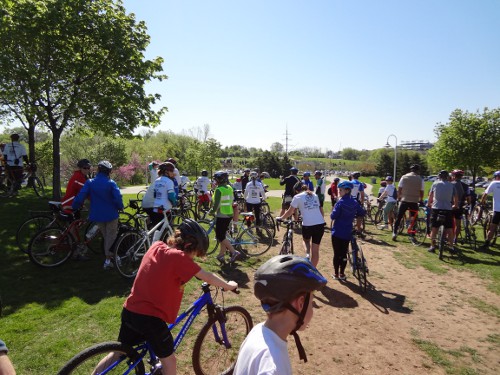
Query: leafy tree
{"points": [[350, 154], [277, 147], [385, 165], [76, 63], [469, 141]]}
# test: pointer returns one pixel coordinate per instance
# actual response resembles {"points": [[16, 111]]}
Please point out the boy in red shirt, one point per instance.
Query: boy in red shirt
{"points": [[157, 292]]}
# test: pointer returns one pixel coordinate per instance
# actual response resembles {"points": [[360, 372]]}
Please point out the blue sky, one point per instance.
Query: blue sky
{"points": [[338, 73]]}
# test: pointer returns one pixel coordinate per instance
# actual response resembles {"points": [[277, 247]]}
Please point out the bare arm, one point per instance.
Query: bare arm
{"points": [[215, 280], [6, 367], [288, 212]]}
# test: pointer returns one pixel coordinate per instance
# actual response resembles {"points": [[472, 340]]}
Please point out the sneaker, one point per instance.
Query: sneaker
{"points": [[234, 256], [394, 237], [108, 265], [383, 226], [342, 277], [432, 249], [336, 276], [220, 258]]}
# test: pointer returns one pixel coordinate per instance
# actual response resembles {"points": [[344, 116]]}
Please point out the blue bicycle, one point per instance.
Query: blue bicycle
{"points": [[358, 263], [215, 349]]}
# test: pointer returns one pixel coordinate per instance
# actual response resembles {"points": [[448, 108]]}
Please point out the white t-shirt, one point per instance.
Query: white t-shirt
{"points": [[148, 199], [309, 207], [390, 193], [14, 151], [202, 184], [177, 176], [184, 182], [494, 188], [263, 353], [162, 186], [253, 193]]}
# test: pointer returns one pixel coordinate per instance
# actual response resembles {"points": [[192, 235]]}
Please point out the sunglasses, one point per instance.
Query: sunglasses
{"points": [[85, 167]]}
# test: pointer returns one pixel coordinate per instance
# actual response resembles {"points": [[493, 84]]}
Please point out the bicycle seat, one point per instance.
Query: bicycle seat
{"points": [[245, 214], [55, 206]]}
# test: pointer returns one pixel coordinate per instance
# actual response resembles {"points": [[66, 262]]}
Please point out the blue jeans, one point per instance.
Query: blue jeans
{"points": [[387, 209]]}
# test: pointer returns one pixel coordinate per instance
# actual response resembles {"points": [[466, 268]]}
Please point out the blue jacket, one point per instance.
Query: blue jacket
{"points": [[343, 214], [105, 198]]}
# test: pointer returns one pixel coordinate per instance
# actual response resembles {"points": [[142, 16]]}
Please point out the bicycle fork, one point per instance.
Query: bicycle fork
{"points": [[220, 337]]}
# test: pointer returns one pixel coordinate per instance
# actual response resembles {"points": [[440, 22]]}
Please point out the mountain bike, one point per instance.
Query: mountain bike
{"points": [[287, 243], [250, 239], [357, 262], [215, 350], [8, 187], [469, 232], [415, 226], [131, 246], [486, 227]]}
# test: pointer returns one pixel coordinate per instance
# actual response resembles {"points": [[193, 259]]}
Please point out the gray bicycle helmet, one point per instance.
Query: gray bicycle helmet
{"points": [[104, 166], [193, 233], [356, 174], [221, 177]]}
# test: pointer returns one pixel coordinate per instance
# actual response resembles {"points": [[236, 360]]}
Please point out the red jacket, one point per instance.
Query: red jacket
{"points": [[75, 184]]}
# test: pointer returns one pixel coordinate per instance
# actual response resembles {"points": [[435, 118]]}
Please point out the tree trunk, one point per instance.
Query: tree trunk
{"points": [[31, 145], [56, 157]]}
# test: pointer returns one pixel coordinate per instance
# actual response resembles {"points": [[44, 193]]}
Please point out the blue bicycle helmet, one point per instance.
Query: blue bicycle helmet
{"points": [[345, 185], [496, 174], [307, 174]]}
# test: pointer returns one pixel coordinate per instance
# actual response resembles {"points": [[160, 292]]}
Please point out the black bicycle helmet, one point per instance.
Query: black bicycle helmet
{"points": [[443, 174], [336, 179], [164, 167], [414, 167], [204, 173], [294, 170], [318, 173], [83, 163], [104, 166], [221, 177], [283, 278], [193, 233], [171, 160]]}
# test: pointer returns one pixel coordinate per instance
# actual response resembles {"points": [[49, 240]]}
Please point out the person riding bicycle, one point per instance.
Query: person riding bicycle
{"points": [[14, 153], [202, 189], [75, 184], [494, 189], [105, 204], [313, 221], [443, 199], [463, 193], [224, 212], [320, 187], [343, 214], [285, 286], [389, 195], [164, 193], [289, 183], [158, 288], [410, 193], [254, 193]]}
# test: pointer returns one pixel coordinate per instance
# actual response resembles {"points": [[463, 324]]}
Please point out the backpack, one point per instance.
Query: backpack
{"points": [[329, 191], [395, 193]]}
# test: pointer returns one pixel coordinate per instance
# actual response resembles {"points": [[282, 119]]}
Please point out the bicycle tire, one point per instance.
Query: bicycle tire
{"points": [[254, 244], [213, 243], [286, 248], [140, 194], [362, 269], [95, 241], [130, 248], [30, 227], [378, 217], [38, 187], [441, 240], [267, 221], [86, 361], [51, 247], [471, 236], [418, 238], [213, 357]]}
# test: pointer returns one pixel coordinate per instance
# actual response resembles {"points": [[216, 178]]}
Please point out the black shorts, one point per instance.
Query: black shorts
{"points": [[496, 218], [221, 227], [436, 215], [137, 328], [458, 213], [314, 231]]}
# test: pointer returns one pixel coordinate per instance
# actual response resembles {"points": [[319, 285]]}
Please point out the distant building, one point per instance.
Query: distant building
{"points": [[419, 145]]}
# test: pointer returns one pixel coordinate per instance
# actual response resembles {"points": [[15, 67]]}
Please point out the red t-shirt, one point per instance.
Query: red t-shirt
{"points": [[75, 184], [159, 284]]}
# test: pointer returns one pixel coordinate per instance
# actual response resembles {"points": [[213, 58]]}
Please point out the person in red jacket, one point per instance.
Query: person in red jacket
{"points": [[75, 183]]}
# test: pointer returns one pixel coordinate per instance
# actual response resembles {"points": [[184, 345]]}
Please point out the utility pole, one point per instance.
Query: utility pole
{"points": [[286, 140]]}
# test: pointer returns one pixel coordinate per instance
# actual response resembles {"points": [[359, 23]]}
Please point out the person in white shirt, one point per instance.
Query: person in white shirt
{"points": [[284, 285], [153, 171], [313, 222], [390, 196], [185, 181], [14, 153], [254, 193], [202, 189], [177, 175], [493, 188], [164, 192]]}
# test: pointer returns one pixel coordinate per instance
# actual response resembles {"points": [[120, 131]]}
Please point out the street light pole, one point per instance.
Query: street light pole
{"points": [[395, 153]]}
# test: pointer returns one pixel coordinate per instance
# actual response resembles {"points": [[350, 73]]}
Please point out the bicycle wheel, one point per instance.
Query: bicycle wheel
{"points": [[254, 244], [38, 187], [129, 251], [470, 233], [419, 227], [213, 244], [267, 221], [476, 215], [361, 269], [112, 357], [30, 227], [264, 208], [441, 240], [51, 247], [212, 354], [140, 194], [93, 238], [377, 215]]}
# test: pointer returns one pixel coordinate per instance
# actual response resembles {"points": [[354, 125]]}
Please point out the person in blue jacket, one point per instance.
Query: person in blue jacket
{"points": [[105, 203], [343, 214]]}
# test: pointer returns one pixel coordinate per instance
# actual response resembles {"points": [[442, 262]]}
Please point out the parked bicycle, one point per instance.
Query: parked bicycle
{"points": [[287, 243], [358, 264], [215, 350], [7, 188], [415, 226], [467, 235]]}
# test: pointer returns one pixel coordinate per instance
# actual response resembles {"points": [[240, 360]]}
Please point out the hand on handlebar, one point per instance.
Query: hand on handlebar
{"points": [[234, 286]]}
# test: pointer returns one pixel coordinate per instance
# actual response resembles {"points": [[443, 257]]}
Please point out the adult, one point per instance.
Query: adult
{"points": [[6, 367], [494, 189], [223, 211], [389, 195], [153, 171], [306, 180], [14, 153], [320, 187], [358, 193], [442, 199], [284, 285], [464, 197], [177, 176], [245, 178], [202, 189], [410, 193], [313, 221], [75, 183], [185, 181], [333, 191], [164, 193], [343, 214], [105, 203], [254, 194], [237, 184], [289, 183]]}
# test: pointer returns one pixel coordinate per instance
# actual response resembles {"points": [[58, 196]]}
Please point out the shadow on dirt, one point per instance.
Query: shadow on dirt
{"points": [[335, 298]]}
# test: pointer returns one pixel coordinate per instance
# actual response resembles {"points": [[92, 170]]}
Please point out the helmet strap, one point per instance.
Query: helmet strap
{"points": [[300, 323]]}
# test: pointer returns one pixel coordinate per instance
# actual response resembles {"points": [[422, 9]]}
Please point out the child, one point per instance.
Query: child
{"points": [[156, 295], [285, 286]]}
